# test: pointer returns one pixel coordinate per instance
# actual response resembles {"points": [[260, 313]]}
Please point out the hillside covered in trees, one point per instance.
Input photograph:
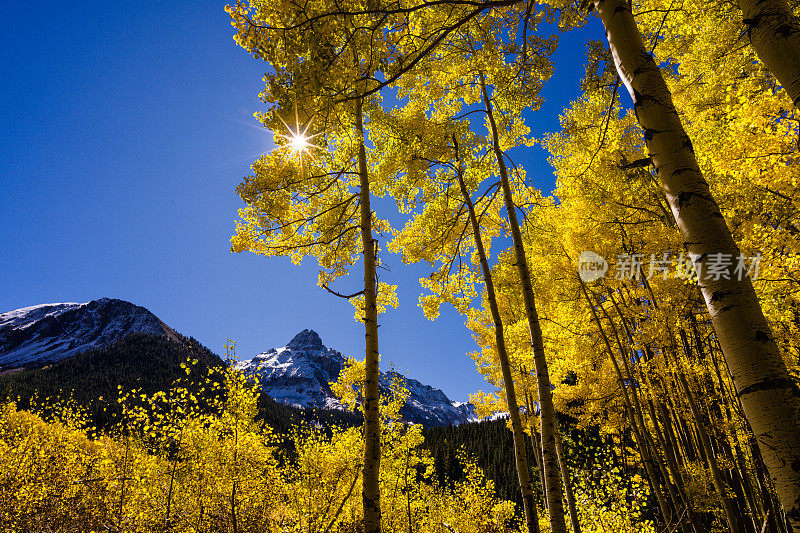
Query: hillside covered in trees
{"points": [[639, 323], [92, 381]]}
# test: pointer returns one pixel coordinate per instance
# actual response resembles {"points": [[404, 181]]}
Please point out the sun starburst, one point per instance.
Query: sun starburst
{"points": [[297, 141]]}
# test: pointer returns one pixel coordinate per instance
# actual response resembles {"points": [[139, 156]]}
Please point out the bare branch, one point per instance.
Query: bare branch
{"points": [[340, 295]]}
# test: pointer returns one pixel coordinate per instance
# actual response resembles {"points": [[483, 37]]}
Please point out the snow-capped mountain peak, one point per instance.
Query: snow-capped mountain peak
{"points": [[300, 374], [42, 334], [26, 316], [308, 339]]}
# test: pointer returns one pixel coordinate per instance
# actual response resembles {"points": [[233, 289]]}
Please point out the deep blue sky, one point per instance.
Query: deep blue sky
{"points": [[123, 134]]}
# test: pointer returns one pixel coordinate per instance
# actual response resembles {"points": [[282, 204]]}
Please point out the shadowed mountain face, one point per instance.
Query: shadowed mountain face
{"points": [[297, 374], [84, 352], [43, 334], [300, 372]]}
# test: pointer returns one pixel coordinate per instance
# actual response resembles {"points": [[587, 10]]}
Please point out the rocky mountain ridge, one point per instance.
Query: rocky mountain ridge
{"points": [[42, 334], [300, 372], [297, 374]]}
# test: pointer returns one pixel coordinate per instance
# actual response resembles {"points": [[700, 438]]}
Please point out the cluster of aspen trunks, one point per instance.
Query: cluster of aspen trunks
{"points": [[740, 421]]}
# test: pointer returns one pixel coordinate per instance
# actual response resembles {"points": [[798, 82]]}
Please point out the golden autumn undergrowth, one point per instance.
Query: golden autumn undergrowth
{"points": [[171, 464]]}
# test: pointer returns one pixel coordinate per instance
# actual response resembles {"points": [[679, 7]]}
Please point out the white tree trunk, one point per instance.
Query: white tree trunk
{"points": [[770, 399], [774, 33], [520, 455], [552, 471]]}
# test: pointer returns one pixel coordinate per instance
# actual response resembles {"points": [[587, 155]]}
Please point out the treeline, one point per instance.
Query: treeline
{"points": [[488, 443], [94, 379], [597, 460]]}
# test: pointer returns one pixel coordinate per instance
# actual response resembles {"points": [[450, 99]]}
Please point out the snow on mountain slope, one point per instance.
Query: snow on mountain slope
{"points": [[297, 374], [42, 334], [300, 372]]}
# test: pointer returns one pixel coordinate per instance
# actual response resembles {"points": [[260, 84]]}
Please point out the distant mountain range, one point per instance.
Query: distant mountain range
{"points": [[42, 334], [297, 374], [300, 372]]}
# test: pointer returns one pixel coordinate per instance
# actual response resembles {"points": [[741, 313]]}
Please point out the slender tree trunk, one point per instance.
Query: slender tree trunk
{"points": [[652, 474], [689, 442], [645, 456], [172, 479], [774, 33], [536, 446], [555, 505], [523, 472], [124, 479], [343, 502], [674, 470], [674, 493], [536, 442], [562, 462], [768, 501], [747, 484], [636, 410], [372, 428], [666, 421], [734, 525], [770, 398], [234, 521]]}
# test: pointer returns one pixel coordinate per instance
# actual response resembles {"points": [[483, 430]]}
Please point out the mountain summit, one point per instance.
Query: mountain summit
{"points": [[300, 374], [308, 339], [297, 374], [42, 334]]}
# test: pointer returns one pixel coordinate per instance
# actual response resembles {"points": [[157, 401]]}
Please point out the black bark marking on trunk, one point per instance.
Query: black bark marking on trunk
{"points": [[785, 30], [681, 170], [771, 384], [718, 296], [751, 23], [763, 336], [640, 100], [649, 133], [684, 197]]}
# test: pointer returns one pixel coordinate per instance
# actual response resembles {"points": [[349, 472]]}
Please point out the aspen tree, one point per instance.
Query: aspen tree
{"points": [[529, 502], [768, 395], [326, 67], [774, 33], [440, 233], [483, 38], [549, 429]]}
